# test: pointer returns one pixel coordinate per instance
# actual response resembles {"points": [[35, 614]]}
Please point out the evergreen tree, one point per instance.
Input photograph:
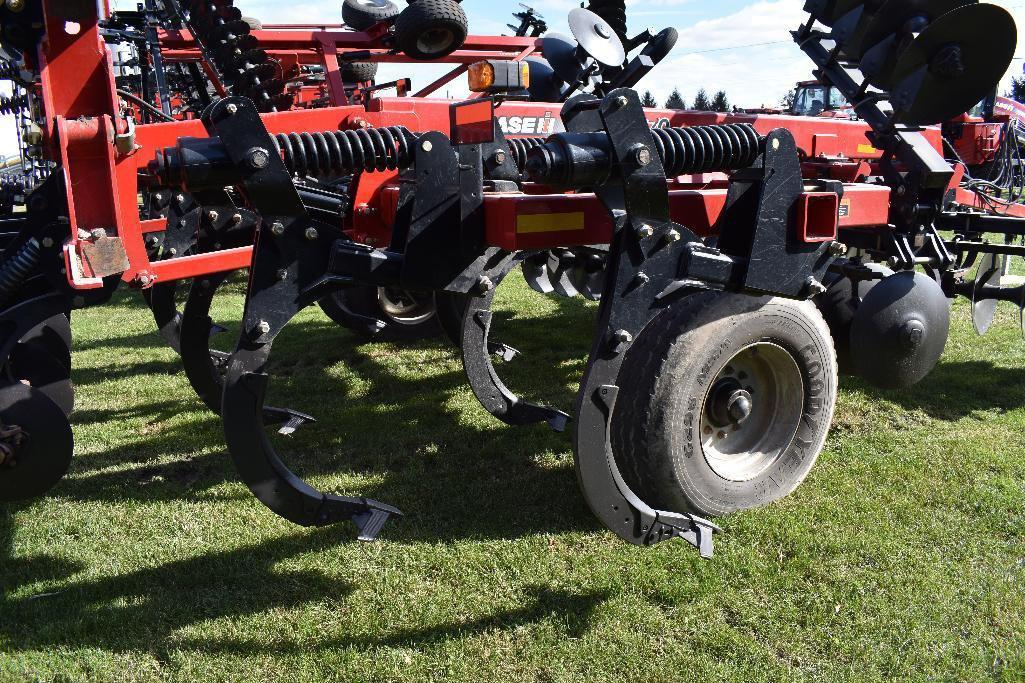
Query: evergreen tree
{"points": [[675, 100], [648, 100], [701, 101], [720, 102], [787, 103], [1017, 90]]}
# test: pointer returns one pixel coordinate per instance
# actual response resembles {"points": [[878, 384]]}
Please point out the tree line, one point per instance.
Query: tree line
{"points": [[702, 102]]}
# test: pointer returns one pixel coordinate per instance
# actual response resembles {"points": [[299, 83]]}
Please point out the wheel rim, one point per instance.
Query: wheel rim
{"points": [[404, 307], [374, 4], [435, 41], [752, 411]]}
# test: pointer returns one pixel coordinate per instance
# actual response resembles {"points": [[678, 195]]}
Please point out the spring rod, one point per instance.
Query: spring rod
{"points": [[16, 269]]}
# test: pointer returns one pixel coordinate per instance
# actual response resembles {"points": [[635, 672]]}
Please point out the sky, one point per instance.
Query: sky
{"points": [[739, 46]]}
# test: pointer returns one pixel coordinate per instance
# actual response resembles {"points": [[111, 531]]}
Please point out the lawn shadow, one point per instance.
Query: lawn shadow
{"points": [[957, 389]]}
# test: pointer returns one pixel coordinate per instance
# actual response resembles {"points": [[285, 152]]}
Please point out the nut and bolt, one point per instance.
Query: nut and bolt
{"points": [[622, 337], [182, 223], [838, 249], [621, 101], [484, 285], [642, 155], [263, 327], [673, 236], [277, 229], [427, 146], [232, 108], [642, 278], [499, 158], [236, 219], [258, 158], [814, 286], [213, 215], [312, 234], [283, 274], [645, 231], [775, 144], [180, 198], [47, 242], [172, 251], [98, 233]]}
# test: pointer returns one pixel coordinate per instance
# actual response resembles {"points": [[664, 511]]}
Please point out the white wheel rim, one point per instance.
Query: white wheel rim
{"points": [[742, 444], [404, 307]]}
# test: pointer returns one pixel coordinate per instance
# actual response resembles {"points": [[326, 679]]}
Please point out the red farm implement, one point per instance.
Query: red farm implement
{"points": [[736, 257]]}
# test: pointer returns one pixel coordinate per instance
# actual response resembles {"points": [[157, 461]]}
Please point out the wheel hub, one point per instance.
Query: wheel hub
{"points": [[752, 411]]}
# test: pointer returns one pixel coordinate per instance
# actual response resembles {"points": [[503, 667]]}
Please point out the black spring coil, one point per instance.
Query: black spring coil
{"points": [[9, 71], [613, 12], [345, 152], [704, 149], [13, 105], [520, 147], [16, 269]]}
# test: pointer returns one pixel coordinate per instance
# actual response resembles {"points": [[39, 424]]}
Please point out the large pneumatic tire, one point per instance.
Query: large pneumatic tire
{"points": [[358, 72], [431, 29], [725, 404], [362, 14], [407, 316]]}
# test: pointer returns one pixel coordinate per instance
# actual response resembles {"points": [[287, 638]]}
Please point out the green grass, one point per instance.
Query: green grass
{"points": [[902, 556]]}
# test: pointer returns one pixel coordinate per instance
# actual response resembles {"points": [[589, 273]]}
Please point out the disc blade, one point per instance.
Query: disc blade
{"points": [[893, 18], [597, 37], [54, 334], [43, 457], [31, 363], [953, 64], [535, 272], [560, 265], [989, 274]]}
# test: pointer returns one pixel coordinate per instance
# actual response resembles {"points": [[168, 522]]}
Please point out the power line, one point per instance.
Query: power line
{"points": [[732, 47]]}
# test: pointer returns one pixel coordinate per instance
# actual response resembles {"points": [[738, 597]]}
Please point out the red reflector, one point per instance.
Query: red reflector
{"points": [[818, 214], [473, 122]]}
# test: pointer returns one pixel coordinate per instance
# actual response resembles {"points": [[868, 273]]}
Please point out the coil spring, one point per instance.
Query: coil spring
{"points": [[16, 269], [345, 152], [703, 149], [520, 148], [13, 105], [9, 71]]}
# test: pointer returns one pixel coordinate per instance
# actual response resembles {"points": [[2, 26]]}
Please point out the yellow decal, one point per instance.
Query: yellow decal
{"points": [[845, 208], [549, 222], [867, 149]]}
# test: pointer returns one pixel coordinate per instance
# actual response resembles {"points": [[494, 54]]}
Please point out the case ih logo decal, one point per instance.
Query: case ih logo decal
{"points": [[531, 125]]}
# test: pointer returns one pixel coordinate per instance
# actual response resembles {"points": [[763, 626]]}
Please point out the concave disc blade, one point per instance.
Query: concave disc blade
{"points": [[597, 37], [31, 363], [989, 274], [44, 457]]}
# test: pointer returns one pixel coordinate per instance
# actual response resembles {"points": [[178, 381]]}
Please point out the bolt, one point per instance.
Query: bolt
{"points": [[16, 5], [98, 233], [622, 337], [642, 278], [645, 231], [312, 234], [499, 157], [180, 198], [232, 108], [894, 262], [83, 234], [158, 197], [258, 158], [172, 251], [263, 327], [621, 101], [236, 219], [182, 223], [427, 146], [673, 236], [838, 249], [213, 215], [277, 229], [283, 274], [484, 285], [642, 155], [901, 191], [47, 242], [814, 286]]}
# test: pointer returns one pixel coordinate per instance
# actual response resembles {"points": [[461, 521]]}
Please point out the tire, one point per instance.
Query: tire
{"points": [[362, 14], [358, 72], [357, 309], [431, 29], [685, 373], [254, 24]]}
